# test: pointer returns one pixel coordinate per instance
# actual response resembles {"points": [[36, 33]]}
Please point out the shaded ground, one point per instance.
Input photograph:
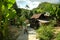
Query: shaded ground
{"points": [[22, 36], [31, 33], [13, 32], [30, 36]]}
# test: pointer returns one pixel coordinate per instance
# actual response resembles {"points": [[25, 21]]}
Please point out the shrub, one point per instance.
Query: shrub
{"points": [[57, 36], [45, 32]]}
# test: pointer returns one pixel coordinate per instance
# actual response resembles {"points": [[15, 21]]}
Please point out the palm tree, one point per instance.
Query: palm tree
{"points": [[27, 6]]}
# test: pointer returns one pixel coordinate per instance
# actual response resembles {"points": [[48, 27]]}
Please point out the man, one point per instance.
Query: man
{"points": [[25, 31], [25, 28]]}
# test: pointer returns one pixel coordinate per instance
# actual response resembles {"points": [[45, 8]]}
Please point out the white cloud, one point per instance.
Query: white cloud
{"points": [[32, 3], [23, 3]]}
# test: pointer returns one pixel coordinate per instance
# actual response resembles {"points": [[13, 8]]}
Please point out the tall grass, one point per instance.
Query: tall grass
{"points": [[45, 32], [57, 36]]}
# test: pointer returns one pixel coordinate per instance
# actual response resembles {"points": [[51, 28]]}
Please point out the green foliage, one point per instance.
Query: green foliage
{"points": [[47, 7], [58, 13], [8, 12], [10, 3], [22, 19], [45, 32], [57, 36], [5, 6], [52, 22]]}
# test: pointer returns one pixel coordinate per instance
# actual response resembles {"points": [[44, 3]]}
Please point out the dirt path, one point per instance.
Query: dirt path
{"points": [[30, 36], [57, 30]]}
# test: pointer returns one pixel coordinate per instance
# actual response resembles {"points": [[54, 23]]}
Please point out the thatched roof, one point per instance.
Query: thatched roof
{"points": [[36, 16], [44, 20]]}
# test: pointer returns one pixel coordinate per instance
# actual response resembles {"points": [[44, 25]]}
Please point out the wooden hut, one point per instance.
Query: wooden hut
{"points": [[38, 19]]}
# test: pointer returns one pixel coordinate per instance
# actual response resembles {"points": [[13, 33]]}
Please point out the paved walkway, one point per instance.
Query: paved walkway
{"points": [[30, 36]]}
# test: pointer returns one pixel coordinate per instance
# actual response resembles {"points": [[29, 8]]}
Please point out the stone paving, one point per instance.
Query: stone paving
{"points": [[30, 36]]}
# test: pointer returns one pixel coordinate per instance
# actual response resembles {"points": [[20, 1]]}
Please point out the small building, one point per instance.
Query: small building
{"points": [[37, 19]]}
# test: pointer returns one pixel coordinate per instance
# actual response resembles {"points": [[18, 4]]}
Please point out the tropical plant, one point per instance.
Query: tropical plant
{"points": [[45, 33], [57, 36], [5, 6]]}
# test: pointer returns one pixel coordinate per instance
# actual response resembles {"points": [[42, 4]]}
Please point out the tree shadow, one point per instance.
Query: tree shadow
{"points": [[23, 36]]}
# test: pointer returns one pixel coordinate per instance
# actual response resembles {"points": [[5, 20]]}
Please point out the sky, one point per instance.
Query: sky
{"points": [[33, 3]]}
